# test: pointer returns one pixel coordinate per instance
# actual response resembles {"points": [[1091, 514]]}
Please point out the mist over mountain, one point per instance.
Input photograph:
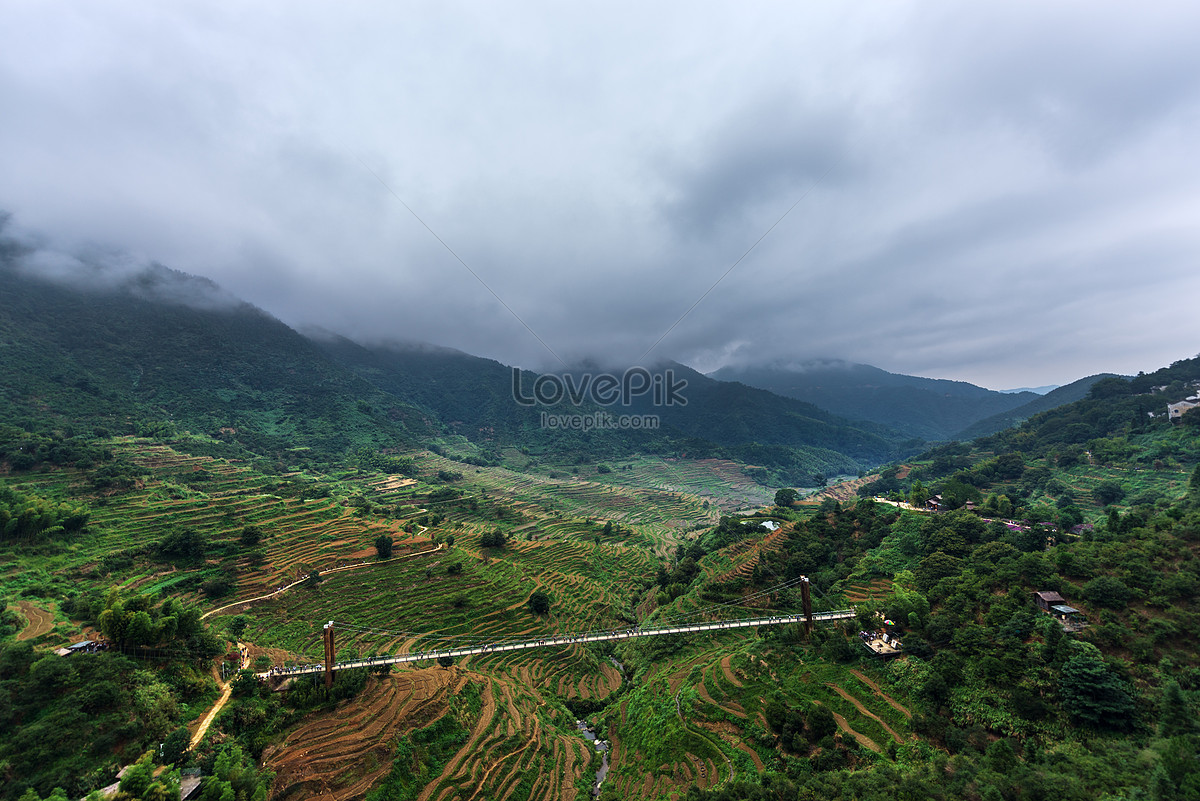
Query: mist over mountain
{"points": [[107, 342], [1035, 390]]}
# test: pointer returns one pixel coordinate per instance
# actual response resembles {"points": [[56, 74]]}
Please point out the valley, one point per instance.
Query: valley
{"points": [[175, 533]]}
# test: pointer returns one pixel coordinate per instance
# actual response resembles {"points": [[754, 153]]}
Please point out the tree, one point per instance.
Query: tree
{"points": [[938, 565], [445, 661], [1107, 591], [140, 630], [1107, 492], [785, 497], [821, 723], [383, 546], [917, 493], [1175, 716], [1091, 693], [251, 535], [237, 626], [176, 746], [539, 602], [182, 545]]}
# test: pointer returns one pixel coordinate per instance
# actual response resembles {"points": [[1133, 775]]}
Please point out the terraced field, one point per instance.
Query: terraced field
{"points": [[39, 621], [694, 717], [592, 587], [656, 500], [723, 483], [698, 721], [340, 755], [297, 535]]}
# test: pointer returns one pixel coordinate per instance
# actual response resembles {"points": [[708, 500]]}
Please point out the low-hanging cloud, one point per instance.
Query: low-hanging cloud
{"points": [[1000, 193]]}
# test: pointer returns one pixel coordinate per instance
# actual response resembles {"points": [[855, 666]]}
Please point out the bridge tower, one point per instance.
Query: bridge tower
{"points": [[806, 598], [328, 654]]}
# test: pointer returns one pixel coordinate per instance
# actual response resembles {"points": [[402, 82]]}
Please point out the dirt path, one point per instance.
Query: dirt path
{"points": [[728, 671], [899, 707], [863, 740], [702, 736], [866, 712], [287, 587], [40, 621], [226, 691]]}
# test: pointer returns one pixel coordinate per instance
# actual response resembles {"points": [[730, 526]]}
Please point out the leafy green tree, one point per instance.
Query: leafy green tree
{"points": [[182, 545], [1107, 591], [785, 497], [176, 746], [539, 602], [1108, 492], [1092, 694], [237, 626], [821, 723], [938, 565], [251, 535], [141, 630], [493, 539], [1175, 715], [383, 546]]}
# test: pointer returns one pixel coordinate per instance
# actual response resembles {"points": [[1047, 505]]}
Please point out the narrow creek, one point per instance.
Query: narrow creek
{"points": [[602, 749], [601, 745]]}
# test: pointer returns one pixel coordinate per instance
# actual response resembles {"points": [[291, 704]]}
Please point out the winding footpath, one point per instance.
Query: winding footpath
{"points": [[297, 582], [244, 662], [226, 691]]}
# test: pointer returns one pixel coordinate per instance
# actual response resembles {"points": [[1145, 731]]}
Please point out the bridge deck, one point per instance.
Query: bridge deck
{"points": [[568, 639]]}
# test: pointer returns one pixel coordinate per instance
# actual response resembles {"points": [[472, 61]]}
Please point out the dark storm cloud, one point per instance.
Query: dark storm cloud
{"points": [[762, 154], [1003, 193]]}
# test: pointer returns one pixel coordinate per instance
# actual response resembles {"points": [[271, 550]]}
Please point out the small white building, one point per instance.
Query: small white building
{"points": [[1176, 410]]}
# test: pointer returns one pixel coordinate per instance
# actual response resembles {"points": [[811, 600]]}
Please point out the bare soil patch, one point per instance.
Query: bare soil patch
{"points": [[339, 754], [728, 671], [863, 740], [41, 621], [866, 712]]}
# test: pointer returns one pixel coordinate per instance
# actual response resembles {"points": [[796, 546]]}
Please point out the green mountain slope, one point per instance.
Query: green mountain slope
{"points": [[928, 408], [132, 355], [1074, 391], [474, 397], [1114, 450]]}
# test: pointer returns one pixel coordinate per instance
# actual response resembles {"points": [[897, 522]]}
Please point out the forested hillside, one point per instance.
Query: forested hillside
{"points": [[195, 485], [1076, 390], [790, 441], [155, 354], [928, 408]]}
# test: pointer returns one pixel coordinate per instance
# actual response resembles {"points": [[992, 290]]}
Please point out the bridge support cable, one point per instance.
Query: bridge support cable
{"points": [[785, 585], [329, 668]]}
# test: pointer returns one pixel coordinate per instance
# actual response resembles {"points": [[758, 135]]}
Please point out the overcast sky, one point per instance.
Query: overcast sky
{"points": [[1004, 194]]}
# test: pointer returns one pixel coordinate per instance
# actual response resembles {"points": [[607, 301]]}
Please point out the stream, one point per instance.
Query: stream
{"points": [[602, 749]]}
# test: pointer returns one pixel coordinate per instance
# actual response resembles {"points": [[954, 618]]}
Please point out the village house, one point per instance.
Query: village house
{"points": [[1175, 410], [1053, 604]]}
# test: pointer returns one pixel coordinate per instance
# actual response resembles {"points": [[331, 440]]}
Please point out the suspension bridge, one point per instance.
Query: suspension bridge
{"points": [[329, 667]]}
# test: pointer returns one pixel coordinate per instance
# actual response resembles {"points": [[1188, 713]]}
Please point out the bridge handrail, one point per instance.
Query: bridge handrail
{"points": [[562, 639]]}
